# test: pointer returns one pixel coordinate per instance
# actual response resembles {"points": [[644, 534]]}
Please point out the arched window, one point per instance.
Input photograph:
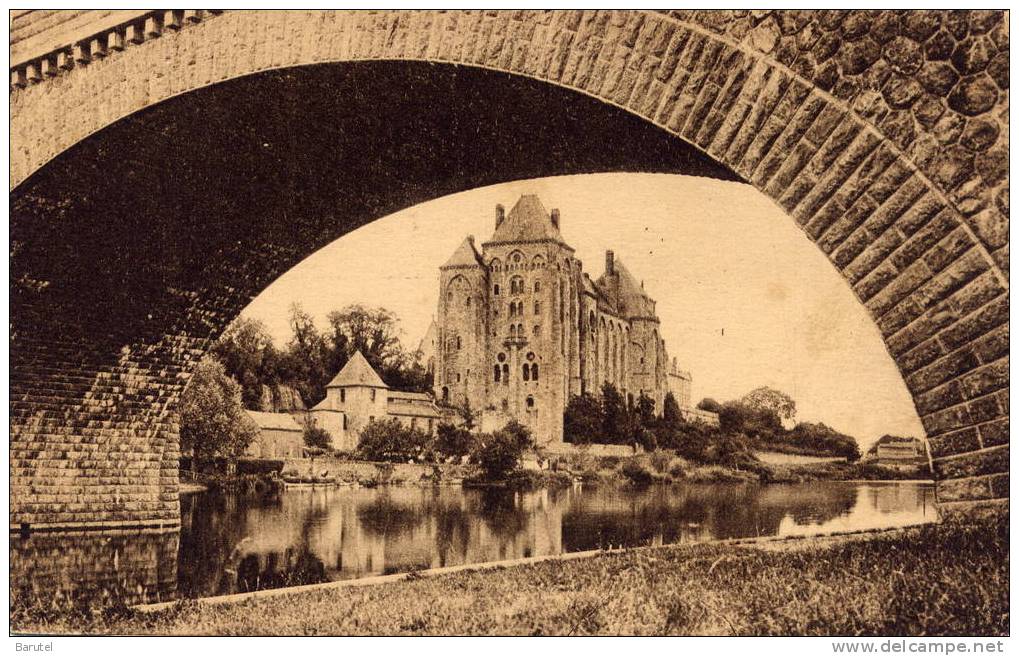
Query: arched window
{"points": [[496, 290], [527, 372], [467, 302], [517, 285], [517, 257], [445, 395], [449, 297], [513, 330], [536, 330], [457, 377], [520, 329], [505, 405], [505, 374], [534, 371], [459, 344], [530, 402], [497, 372], [537, 307], [537, 286]]}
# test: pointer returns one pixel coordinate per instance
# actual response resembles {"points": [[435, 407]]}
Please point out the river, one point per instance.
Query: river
{"points": [[237, 543]]}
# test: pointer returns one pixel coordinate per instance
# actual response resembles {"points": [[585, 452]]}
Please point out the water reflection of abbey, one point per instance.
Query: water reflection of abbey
{"points": [[233, 544]]}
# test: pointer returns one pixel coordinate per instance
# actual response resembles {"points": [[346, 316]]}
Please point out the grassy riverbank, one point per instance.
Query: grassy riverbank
{"points": [[950, 578]]}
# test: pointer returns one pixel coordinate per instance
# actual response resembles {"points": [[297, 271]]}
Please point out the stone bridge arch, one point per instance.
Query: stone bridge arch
{"points": [[883, 134]]}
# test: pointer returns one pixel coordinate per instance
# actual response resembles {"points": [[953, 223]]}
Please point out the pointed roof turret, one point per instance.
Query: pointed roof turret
{"points": [[628, 294], [357, 373], [527, 221], [466, 255]]}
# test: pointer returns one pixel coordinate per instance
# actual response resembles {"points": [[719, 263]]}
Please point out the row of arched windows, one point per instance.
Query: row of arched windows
{"points": [[517, 309], [500, 373]]}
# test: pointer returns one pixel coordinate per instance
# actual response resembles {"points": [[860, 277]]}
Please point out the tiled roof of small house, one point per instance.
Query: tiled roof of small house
{"points": [[273, 420], [527, 221], [357, 373], [412, 410], [413, 396]]}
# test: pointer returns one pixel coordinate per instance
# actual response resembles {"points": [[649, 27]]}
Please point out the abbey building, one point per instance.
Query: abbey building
{"points": [[521, 327]]}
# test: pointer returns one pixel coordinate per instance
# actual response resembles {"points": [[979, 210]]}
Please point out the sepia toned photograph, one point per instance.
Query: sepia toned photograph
{"points": [[564, 322]]}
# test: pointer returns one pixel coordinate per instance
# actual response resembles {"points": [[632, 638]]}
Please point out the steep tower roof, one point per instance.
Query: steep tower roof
{"points": [[465, 255], [527, 221], [357, 373], [628, 294]]}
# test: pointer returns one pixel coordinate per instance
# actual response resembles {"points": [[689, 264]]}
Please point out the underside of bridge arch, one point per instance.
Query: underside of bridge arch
{"points": [[135, 248], [151, 202]]}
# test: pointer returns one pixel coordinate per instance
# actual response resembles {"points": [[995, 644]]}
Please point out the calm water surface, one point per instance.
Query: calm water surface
{"points": [[232, 543]]}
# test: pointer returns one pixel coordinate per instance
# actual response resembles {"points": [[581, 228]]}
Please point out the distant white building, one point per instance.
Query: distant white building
{"points": [[357, 396]]}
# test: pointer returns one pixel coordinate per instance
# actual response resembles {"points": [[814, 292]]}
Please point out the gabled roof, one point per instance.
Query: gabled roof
{"points": [[357, 372], [464, 255], [527, 221], [273, 420]]}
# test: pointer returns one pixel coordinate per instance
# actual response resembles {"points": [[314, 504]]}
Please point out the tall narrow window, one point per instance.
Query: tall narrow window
{"points": [[343, 396], [497, 372], [537, 307], [530, 402], [373, 395], [537, 286], [344, 422], [445, 394], [534, 371], [505, 374], [495, 290], [536, 330], [527, 372], [468, 301], [459, 344]]}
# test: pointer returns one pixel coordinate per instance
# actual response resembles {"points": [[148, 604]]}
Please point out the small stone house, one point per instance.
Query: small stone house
{"points": [[357, 396], [279, 436]]}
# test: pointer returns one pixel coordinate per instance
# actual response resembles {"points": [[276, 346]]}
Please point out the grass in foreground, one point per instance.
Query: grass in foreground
{"points": [[940, 579]]}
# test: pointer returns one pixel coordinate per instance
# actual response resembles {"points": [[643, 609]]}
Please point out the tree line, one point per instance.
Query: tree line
{"points": [[753, 422], [312, 357]]}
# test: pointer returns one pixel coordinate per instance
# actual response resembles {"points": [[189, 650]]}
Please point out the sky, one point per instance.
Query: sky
{"points": [[745, 299]]}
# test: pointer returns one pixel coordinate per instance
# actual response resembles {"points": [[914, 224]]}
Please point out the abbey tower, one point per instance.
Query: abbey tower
{"points": [[521, 327]]}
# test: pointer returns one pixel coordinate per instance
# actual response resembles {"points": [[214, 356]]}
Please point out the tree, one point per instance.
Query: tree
{"points": [[316, 436], [248, 355], [582, 420], [613, 415], [389, 440], [821, 439], [306, 358], [766, 398], [671, 415], [709, 404], [759, 424], [212, 419], [467, 415], [499, 454], [644, 409], [452, 441]]}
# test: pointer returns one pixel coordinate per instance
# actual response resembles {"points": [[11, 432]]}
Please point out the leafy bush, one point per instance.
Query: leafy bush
{"points": [[499, 454], [637, 472], [452, 441], [259, 466], [389, 440], [316, 436]]}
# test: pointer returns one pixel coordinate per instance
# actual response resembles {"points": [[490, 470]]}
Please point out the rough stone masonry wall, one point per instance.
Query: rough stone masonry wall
{"points": [[883, 134]]}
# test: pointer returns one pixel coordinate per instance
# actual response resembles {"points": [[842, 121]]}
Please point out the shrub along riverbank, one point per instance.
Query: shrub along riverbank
{"points": [[942, 579]]}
